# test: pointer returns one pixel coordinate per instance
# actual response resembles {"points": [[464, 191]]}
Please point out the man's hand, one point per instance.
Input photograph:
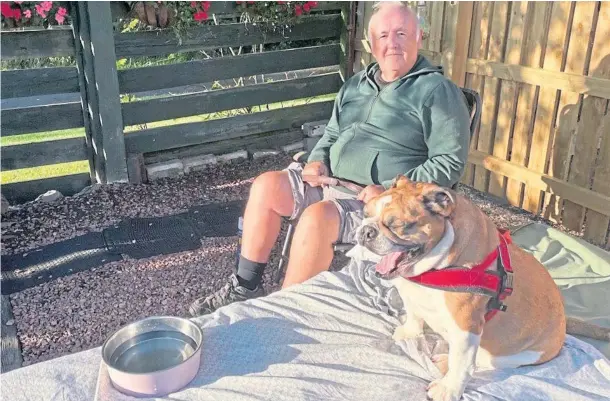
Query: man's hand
{"points": [[370, 191], [315, 169]]}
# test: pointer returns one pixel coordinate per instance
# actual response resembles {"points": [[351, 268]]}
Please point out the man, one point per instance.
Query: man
{"points": [[399, 116]]}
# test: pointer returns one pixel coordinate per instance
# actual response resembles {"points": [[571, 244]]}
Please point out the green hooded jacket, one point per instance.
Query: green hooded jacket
{"points": [[417, 125]]}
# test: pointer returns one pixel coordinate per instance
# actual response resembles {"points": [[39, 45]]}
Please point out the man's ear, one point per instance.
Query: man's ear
{"points": [[439, 201], [400, 181]]}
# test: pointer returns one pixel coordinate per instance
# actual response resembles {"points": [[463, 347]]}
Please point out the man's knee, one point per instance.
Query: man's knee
{"points": [[273, 189], [322, 218]]}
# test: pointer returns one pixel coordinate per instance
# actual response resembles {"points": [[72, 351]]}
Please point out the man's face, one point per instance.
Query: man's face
{"points": [[394, 42]]}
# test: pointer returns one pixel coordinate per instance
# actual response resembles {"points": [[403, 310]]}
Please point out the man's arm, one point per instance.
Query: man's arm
{"points": [[321, 151], [446, 122]]}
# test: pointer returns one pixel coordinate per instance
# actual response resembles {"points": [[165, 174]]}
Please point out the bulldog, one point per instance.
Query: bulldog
{"points": [[494, 304]]}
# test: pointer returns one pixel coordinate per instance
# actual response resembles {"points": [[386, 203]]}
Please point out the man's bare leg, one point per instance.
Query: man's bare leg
{"points": [[270, 199], [311, 250]]}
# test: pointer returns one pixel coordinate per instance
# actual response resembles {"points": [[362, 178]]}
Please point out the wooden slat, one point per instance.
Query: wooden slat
{"points": [[587, 136], [448, 41], [176, 136], [526, 100], [38, 43], [41, 118], [583, 196], [568, 131], [156, 43], [43, 153], [194, 72], [79, 50], [478, 49], [508, 100], [593, 86], [462, 42], [436, 11], [10, 352], [168, 108], [597, 225], [39, 81], [491, 87], [20, 192], [546, 111]]}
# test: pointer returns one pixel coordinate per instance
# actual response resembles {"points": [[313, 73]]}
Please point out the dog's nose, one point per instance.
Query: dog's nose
{"points": [[368, 233]]}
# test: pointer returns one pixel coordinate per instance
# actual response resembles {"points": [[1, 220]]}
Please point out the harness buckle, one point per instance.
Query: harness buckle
{"points": [[507, 283], [495, 303]]}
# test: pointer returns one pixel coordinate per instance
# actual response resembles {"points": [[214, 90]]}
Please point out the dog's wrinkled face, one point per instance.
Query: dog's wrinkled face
{"points": [[403, 224]]}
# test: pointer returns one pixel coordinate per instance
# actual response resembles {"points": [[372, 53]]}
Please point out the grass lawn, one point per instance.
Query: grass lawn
{"points": [[57, 170]]}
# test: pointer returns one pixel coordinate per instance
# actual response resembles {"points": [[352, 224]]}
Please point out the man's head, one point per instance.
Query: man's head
{"points": [[395, 37]]}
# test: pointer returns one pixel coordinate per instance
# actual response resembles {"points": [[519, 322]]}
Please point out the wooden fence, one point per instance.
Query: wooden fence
{"points": [[107, 144], [543, 71]]}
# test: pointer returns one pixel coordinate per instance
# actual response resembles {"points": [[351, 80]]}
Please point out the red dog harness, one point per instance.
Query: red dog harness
{"points": [[496, 284]]}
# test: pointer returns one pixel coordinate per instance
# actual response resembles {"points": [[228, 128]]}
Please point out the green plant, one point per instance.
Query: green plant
{"points": [[274, 15]]}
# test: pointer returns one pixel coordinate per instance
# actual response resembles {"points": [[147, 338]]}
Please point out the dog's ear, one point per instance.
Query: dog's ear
{"points": [[440, 201], [400, 181]]}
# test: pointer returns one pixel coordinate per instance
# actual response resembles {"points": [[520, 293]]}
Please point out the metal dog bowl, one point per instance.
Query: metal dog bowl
{"points": [[154, 356]]}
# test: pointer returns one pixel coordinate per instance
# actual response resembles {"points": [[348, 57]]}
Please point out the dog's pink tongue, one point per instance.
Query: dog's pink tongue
{"points": [[387, 263]]}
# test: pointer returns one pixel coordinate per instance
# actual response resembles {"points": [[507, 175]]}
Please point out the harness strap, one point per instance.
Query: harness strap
{"points": [[477, 280]]}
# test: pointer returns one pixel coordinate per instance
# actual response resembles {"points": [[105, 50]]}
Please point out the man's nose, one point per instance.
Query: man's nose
{"points": [[368, 233]]}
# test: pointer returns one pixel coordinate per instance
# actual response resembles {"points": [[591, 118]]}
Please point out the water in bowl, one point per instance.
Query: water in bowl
{"points": [[153, 351]]}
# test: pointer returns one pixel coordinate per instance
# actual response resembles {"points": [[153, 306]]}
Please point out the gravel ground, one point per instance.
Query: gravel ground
{"points": [[77, 312]]}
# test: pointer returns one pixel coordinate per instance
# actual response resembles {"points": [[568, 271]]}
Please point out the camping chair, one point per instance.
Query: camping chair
{"points": [[473, 101]]}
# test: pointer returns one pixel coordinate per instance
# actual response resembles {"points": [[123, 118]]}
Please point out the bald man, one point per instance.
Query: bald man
{"points": [[398, 116]]}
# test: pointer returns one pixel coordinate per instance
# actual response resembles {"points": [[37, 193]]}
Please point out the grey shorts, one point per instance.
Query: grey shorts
{"points": [[350, 209]]}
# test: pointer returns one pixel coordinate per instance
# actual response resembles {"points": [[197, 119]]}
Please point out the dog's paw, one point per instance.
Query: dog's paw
{"points": [[441, 390], [406, 332]]}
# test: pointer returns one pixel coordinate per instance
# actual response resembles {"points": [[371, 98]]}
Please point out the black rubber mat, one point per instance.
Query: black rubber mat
{"points": [[55, 260], [216, 219], [136, 238], [145, 237]]}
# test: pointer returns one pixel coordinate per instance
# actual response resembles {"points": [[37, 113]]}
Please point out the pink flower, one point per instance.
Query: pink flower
{"points": [[193, 4], [200, 16], [7, 11], [17, 2], [46, 5], [17, 13], [27, 14], [306, 7], [298, 10], [205, 5], [60, 16], [40, 11]]}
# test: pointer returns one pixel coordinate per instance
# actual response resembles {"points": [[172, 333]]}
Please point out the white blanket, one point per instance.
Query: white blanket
{"points": [[327, 339]]}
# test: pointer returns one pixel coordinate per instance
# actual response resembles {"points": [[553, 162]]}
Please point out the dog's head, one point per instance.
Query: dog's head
{"points": [[403, 224]]}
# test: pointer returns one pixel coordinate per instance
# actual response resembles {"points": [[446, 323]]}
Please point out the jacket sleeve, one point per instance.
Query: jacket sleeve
{"points": [[320, 152], [446, 124]]}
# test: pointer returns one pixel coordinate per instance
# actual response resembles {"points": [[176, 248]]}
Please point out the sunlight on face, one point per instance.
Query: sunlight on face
{"points": [[394, 35]]}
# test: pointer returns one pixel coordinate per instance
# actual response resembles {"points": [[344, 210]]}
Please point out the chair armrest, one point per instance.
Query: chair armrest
{"points": [[301, 157]]}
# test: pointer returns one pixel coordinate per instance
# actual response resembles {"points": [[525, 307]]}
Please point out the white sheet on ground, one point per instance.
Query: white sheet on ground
{"points": [[327, 339]]}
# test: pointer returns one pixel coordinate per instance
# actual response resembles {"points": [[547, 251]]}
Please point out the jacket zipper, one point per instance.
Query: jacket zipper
{"points": [[374, 101]]}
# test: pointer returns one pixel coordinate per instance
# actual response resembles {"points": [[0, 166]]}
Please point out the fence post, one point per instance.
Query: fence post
{"points": [[347, 39], [103, 105]]}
